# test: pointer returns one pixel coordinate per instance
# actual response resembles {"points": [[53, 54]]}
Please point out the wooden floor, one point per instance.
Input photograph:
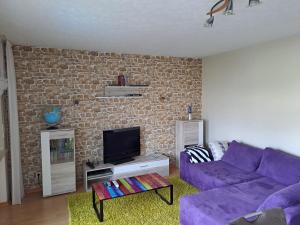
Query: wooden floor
{"points": [[37, 210]]}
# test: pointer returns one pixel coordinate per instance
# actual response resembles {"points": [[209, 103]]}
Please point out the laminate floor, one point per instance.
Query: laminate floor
{"points": [[36, 210]]}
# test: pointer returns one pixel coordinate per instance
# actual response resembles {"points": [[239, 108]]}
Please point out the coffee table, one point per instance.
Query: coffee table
{"points": [[129, 186]]}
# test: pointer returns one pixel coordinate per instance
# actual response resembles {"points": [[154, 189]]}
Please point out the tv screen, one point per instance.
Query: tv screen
{"points": [[120, 145]]}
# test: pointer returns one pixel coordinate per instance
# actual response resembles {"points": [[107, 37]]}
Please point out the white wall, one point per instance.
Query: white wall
{"points": [[3, 180], [3, 154], [253, 95]]}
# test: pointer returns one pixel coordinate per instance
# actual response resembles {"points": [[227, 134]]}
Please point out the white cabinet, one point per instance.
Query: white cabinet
{"points": [[154, 163], [58, 161], [188, 132]]}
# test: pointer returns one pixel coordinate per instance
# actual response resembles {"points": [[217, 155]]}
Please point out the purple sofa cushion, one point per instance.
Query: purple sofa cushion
{"points": [[222, 205], [214, 207], [243, 156], [280, 166], [284, 198], [210, 175]]}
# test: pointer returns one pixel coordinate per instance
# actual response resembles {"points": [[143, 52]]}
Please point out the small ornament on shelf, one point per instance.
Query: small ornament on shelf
{"points": [[189, 110], [121, 80]]}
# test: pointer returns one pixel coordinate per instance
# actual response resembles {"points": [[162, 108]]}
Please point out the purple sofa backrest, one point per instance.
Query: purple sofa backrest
{"points": [[280, 166], [243, 156]]}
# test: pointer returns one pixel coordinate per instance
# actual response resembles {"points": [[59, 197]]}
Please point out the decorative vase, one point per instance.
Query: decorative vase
{"points": [[189, 109], [121, 80]]}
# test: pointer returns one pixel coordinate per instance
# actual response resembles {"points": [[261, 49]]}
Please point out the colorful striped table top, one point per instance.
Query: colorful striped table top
{"points": [[130, 185]]}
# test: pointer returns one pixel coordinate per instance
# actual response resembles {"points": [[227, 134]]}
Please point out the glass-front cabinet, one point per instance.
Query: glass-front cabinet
{"points": [[58, 161], [62, 150]]}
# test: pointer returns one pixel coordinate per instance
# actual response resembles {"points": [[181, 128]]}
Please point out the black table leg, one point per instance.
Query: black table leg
{"points": [[99, 212], [171, 194], [170, 202]]}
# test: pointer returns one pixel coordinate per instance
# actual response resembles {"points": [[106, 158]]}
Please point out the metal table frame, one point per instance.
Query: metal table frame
{"points": [[99, 210]]}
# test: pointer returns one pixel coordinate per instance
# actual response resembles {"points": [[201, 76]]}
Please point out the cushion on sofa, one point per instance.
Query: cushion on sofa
{"points": [[198, 154], [280, 166], [218, 148], [210, 175], [243, 156], [214, 207], [283, 198]]}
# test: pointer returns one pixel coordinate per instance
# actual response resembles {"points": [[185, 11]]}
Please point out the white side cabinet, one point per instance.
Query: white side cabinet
{"points": [[188, 132], [58, 161]]}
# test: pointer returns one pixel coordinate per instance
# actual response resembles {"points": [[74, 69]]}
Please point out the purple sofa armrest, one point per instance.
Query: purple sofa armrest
{"points": [[283, 198], [292, 215]]}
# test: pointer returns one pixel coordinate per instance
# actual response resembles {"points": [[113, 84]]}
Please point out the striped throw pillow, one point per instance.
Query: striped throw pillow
{"points": [[198, 154]]}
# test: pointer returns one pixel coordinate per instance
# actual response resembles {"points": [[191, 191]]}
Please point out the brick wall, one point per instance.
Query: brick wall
{"points": [[60, 76]]}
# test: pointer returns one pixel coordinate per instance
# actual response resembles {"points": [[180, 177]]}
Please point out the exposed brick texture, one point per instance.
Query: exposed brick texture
{"points": [[60, 76]]}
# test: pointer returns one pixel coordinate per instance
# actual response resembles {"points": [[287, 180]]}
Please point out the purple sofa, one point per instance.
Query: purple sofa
{"points": [[245, 180]]}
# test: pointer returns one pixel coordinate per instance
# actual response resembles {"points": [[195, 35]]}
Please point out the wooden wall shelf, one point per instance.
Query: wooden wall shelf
{"points": [[109, 97], [128, 86], [133, 92]]}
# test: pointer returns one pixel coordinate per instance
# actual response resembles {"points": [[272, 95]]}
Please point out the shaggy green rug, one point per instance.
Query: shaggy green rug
{"points": [[144, 208]]}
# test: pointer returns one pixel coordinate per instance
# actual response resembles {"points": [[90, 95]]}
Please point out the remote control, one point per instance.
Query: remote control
{"points": [[115, 183]]}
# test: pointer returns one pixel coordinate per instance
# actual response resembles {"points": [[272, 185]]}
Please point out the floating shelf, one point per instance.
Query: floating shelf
{"points": [[122, 92], [108, 97], [129, 86]]}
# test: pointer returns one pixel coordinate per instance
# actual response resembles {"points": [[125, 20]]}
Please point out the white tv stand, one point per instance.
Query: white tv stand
{"points": [[154, 163]]}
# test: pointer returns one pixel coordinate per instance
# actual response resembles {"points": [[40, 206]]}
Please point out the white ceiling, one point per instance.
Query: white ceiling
{"points": [[155, 27]]}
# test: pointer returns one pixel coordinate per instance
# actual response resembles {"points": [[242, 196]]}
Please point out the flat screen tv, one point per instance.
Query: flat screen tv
{"points": [[120, 145]]}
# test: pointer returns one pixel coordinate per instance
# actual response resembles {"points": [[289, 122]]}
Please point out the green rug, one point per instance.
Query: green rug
{"points": [[144, 208]]}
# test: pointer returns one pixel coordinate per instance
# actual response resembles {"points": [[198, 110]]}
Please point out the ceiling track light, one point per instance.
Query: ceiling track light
{"points": [[254, 3], [210, 21], [216, 8], [227, 7]]}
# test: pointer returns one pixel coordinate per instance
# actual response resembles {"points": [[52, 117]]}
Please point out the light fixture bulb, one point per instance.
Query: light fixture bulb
{"points": [[254, 2], [229, 9], [209, 22]]}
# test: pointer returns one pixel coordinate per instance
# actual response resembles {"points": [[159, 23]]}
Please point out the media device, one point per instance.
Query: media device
{"points": [[120, 145]]}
